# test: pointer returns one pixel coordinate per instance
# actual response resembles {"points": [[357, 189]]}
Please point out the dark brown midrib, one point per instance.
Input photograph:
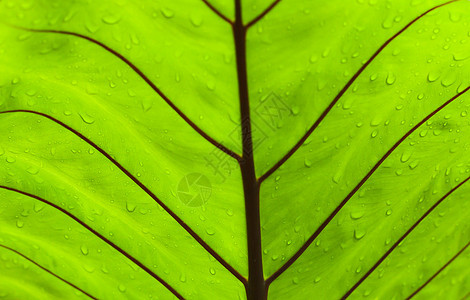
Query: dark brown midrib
{"points": [[255, 287], [395, 245], [48, 271], [144, 188], [439, 271], [100, 236]]}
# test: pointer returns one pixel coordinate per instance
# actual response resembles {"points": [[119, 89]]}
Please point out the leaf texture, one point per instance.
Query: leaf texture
{"points": [[246, 149]]}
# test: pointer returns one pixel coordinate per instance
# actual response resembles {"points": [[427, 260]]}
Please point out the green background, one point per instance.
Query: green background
{"points": [[303, 53]]}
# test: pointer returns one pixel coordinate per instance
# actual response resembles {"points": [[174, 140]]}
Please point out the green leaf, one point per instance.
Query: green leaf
{"points": [[244, 149]]}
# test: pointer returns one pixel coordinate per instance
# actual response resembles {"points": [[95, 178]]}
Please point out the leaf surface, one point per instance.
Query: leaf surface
{"points": [[234, 149]]}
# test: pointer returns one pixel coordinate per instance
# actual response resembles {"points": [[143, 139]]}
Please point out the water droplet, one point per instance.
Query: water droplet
{"points": [[448, 81], [375, 121], [433, 76], [167, 13], [111, 19], [91, 27], [313, 59], [211, 85], [388, 212], [212, 271], [336, 178], [461, 56], [374, 133], [196, 20], [391, 78], [295, 110], [423, 133], [413, 164], [84, 249], [356, 215], [38, 207], [19, 223], [405, 156], [130, 206], [87, 118], [359, 234], [122, 288], [307, 163], [32, 170]]}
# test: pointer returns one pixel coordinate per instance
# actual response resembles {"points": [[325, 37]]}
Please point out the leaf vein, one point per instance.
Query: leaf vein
{"points": [[144, 188], [376, 265], [217, 12], [48, 271], [356, 188], [100, 236], [148, 81], [341, 93], [439, 271]]}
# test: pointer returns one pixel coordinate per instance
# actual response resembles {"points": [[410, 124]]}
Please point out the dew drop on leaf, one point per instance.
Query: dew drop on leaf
{"points": [[211, 85], [87, 118], [19, 223], [433, 76], [84, 249], [391, 78], [167, 13], [359, 234], [196, 20], [111, 19], [405, 156], [130, 206], [38, 207], [356, 215], [307, 163], [413, 164], [446, 82], [374, 133], [423, 133]]}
